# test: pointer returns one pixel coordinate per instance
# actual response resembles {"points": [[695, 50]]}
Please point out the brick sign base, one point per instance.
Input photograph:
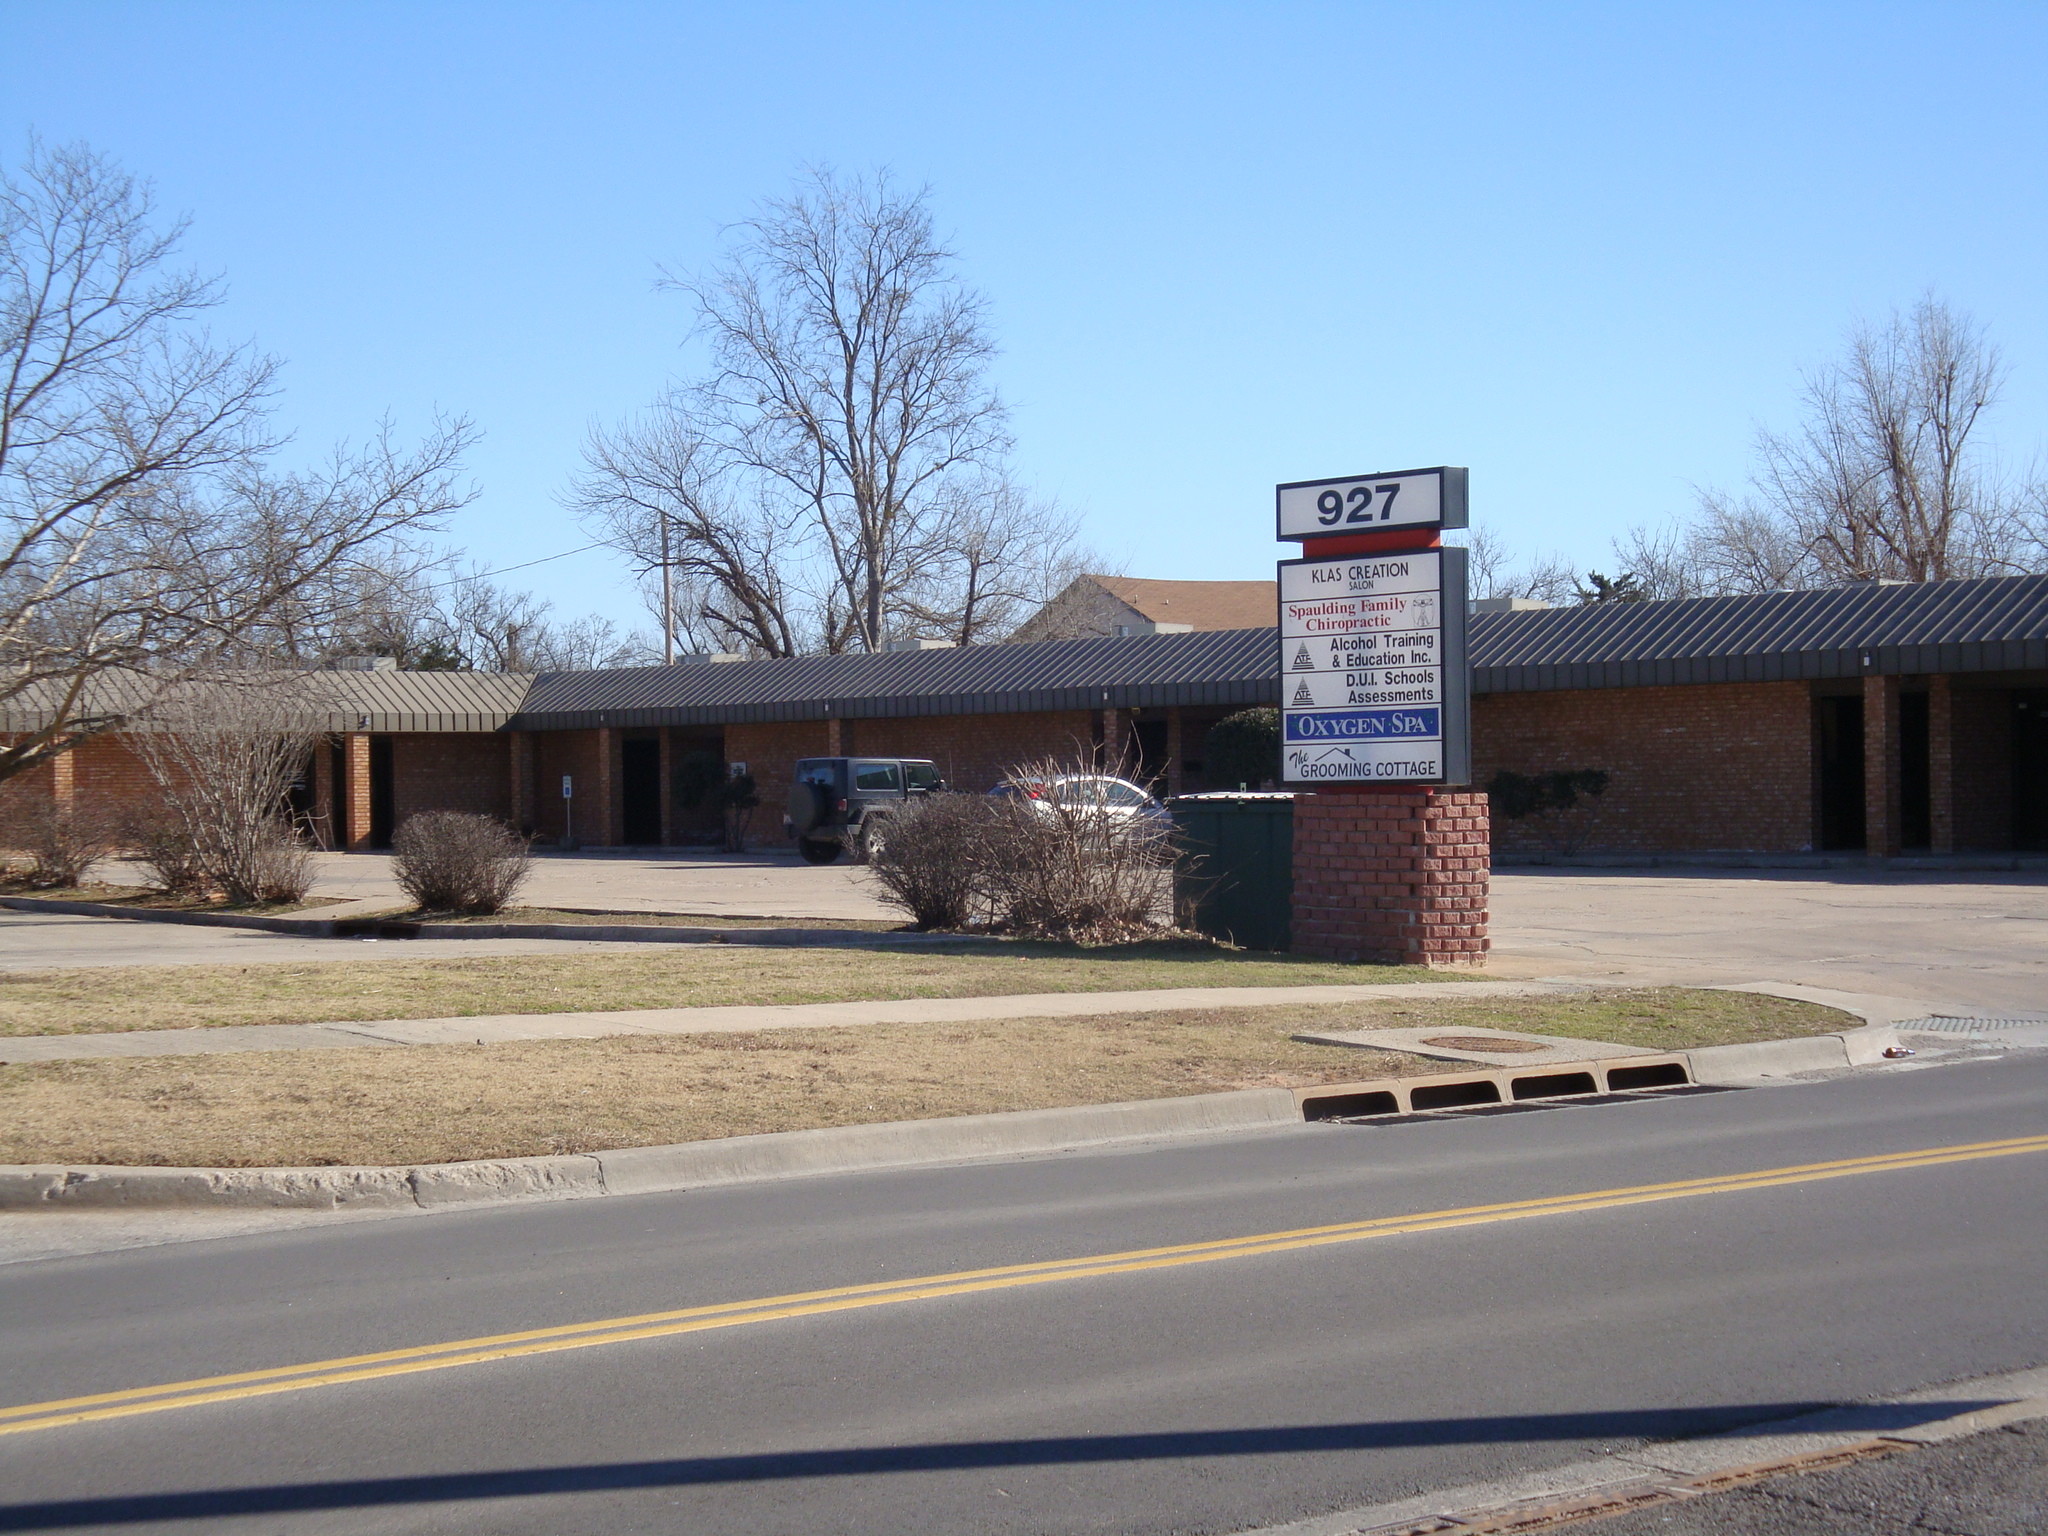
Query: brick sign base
{"points": [[1392, 875]]}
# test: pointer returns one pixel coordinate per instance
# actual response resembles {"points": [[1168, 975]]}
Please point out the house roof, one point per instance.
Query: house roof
{"points": [[1199, 604]]}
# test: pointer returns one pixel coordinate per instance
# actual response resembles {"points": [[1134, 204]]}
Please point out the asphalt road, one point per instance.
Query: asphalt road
{"points": [[1154, 1397]]}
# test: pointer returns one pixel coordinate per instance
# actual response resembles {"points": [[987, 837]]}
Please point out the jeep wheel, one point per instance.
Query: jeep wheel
{"points": [[874, 836], [815, 851]]}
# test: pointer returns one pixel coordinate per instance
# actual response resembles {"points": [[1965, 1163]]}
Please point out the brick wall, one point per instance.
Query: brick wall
{"points": [[1981, 719], [974, 752], [1392, 875], [1702, 766], [456, 772], [575, 753]]}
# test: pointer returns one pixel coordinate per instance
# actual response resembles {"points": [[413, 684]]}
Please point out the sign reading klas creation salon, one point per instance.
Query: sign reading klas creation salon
{"points": [[1374, 687]]}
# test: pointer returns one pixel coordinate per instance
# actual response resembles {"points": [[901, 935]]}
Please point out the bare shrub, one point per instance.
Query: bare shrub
{"points": [[59, 847], [1056, 865], [168, 855], [935, 861], [224, 754], [448, 861]]}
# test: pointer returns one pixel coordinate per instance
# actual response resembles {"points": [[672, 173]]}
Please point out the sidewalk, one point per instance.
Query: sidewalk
{"points": [[502, 1027]]}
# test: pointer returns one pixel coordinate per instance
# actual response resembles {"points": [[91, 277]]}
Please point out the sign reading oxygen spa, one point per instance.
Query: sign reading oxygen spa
{"points": [[1373, 680]]}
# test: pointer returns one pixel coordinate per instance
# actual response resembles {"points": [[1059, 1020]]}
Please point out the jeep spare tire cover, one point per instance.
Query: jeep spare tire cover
{"points": [[806, 806]]}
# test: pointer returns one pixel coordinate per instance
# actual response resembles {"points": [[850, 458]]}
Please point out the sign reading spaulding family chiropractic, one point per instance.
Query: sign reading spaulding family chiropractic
{"points": [[1374, 687]]}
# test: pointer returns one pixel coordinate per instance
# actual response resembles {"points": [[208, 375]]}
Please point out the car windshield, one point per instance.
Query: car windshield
{"points": [[1126, 794]]}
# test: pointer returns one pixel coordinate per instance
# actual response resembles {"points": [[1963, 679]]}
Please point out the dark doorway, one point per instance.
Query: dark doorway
{"points": [[1148, 742], [640, 785], [1916, 818], [2030, 769], [1838, 728], [383, 799]]}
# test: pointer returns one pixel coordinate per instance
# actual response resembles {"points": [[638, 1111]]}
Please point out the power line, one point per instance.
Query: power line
{"points": [[507, 569]]}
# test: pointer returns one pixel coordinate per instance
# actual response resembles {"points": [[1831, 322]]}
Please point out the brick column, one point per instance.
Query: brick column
{"points": [[323, 794], [1941, 765], [607, 818], [64, 782], [1173, 751], [1881, 767], [525, 809], [836, 736], [667, 776], [1396, 875], [1112, 760], [355, 747]]}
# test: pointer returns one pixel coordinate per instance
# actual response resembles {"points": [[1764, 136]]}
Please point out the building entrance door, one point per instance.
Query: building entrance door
{"points": [[2030, 769], [640, 776], [1838, 733]]}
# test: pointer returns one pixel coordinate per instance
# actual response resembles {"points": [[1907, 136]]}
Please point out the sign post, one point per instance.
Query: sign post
{"points": [[568, 811], [1390, 851]]}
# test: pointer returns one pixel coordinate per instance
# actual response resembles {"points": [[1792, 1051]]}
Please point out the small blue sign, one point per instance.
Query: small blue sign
{"points": [[1364, 724]]}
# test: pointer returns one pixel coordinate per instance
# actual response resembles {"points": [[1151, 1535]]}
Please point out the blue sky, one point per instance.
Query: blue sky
{"points": [[1582, 249]]}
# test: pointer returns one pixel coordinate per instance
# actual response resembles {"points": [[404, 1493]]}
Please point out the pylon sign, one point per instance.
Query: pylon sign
{"points": [[1374, 683]]}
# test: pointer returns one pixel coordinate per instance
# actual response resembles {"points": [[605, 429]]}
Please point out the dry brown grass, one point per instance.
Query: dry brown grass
{"points": [[451, 1103], [680, 976]]}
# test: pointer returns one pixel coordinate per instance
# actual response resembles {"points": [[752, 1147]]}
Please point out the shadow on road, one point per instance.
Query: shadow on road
{"points": [[1079, 1450]]}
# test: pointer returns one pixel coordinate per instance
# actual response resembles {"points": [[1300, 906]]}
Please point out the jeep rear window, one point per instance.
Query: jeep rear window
{"points": [[877, 776], [821, 770]]}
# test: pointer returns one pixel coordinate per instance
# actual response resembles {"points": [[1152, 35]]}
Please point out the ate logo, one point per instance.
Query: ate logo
{"points": [[1302, 695], [1303, 662]]}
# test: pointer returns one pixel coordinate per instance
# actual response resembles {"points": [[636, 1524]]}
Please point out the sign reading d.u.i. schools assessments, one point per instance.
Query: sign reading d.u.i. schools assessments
{"points": [[1373, 686]]}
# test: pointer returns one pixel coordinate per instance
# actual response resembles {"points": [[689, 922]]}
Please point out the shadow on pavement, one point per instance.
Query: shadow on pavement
{"points": [[1079, 1450]]}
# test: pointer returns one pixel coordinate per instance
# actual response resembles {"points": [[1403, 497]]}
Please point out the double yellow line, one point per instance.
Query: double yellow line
{"points": [[735, 1314]]}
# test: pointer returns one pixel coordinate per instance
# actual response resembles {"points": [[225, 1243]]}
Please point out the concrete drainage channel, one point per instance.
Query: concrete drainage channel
{"points": [[1581, 1082]]}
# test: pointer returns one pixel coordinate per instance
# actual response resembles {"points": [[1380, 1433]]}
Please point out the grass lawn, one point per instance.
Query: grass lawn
{"points": [[451, 1103], [587, 917], [663, 976]]}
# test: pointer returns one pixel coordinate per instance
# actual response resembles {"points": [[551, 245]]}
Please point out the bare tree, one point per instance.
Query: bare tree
{"points": [[1494, 571], [996, 556], [849, 369], [142, 534], [722, 557], [1885, 479], [224, 752]]}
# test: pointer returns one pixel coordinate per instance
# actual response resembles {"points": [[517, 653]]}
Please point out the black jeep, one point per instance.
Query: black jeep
{"points": [[845, 802]]}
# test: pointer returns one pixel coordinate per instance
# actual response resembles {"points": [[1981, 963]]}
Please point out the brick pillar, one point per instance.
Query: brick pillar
{"points": [[836, 737], [64, 782], [1112, 760], [1881, 767], [355, 747], [525, 806], [1941, 765], [1395, 875], [607, 813], [1173, 751], [323, 794]]}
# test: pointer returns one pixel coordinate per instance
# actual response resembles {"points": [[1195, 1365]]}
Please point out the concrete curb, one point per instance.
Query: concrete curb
{"points": [[835, 1149], [646, 1170], [384, 928]]}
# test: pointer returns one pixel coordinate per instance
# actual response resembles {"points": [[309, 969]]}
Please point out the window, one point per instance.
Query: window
{"points": [[1126, 794], [921, 775], [877, 776], [824, 771]]}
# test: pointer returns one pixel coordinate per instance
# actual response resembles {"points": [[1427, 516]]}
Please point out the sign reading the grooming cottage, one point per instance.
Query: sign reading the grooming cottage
{"points": [[1373, 682]]}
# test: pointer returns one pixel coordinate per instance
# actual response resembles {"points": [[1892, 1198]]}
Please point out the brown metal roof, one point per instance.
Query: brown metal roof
{"points": [[1203, 605]]}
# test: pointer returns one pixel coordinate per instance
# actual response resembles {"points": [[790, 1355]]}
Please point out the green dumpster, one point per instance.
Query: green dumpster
{"points": [[1234, 877]]}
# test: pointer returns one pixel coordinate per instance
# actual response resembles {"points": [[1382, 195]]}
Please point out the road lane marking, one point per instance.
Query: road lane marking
{"points": [[654, 1325]]}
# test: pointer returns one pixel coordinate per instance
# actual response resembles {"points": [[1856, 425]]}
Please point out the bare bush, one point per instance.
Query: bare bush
{"points": [[1059, 865], [168, 855], [59, 847], [224, 754], [448, 861], [935, 860]]}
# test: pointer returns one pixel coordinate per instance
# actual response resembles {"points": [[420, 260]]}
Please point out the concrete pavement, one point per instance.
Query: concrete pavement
{"points": [[1250, 1391]]}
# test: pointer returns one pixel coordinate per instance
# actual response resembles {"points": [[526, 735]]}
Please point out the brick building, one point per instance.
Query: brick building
{"points": [[1875, 717]]}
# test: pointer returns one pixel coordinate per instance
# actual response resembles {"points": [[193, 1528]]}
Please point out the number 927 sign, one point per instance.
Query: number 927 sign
{"points": [[1405, 499]]}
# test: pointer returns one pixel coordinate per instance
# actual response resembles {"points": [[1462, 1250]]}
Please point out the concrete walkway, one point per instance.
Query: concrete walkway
{"points": [[501, 1027]]}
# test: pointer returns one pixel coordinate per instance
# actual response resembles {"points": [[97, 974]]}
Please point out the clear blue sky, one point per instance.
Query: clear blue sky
{"points": [[1583, 249]]}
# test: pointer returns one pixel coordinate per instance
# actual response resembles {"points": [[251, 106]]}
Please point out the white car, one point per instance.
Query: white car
{"points": [[1092, 791]]}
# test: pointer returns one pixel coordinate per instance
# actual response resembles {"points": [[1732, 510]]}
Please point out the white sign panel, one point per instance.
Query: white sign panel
{"points": [[1403, 499], [1372, 669]]}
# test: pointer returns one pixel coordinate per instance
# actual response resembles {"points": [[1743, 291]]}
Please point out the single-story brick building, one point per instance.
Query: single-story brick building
{"points": [[1878, 717]]}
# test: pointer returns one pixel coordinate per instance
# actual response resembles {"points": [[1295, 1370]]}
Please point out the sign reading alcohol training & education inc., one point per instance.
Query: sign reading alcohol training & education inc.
{"points": [[1373, 681]]}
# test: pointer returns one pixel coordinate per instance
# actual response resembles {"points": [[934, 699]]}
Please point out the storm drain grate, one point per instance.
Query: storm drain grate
{"points": [[1960, 1024], [1527, 1106]]}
